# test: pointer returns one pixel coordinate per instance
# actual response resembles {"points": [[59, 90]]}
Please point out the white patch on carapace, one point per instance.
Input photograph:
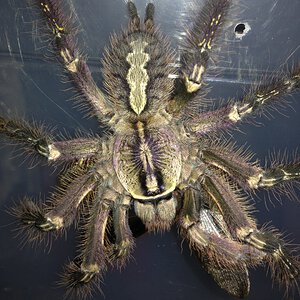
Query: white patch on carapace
{"points": [[137, 76]]}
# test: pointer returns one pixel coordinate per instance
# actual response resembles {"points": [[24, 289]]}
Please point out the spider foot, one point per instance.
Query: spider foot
{"points": [[31, 136], [80, 280], [234, 278], [284, 265], [33, 226], [121, 253]]}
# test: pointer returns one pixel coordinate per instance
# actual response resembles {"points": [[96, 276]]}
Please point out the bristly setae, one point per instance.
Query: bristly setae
{"points": [[166, 156]]}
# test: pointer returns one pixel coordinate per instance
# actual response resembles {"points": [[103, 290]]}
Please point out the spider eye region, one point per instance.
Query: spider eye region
{"points": [[147, 161]]}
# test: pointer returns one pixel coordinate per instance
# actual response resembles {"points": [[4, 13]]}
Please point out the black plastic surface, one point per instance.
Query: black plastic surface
{"points": [[162, 267]]}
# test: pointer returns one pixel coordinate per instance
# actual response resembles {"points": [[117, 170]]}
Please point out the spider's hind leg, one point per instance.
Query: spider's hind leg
{"points": [[222, 196], [260, 97], [57, 214], [224, 257]]}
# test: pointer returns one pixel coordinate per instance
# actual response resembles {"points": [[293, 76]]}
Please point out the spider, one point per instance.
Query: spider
{"points": [[165, 156]]}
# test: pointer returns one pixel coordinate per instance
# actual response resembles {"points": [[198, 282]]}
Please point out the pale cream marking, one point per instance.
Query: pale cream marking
{"points": [[234, 114], [191, 83], [287, 174], [57, 221], [254, 180], [137, 76], [147, 159], [54, 153], [70, 62]]}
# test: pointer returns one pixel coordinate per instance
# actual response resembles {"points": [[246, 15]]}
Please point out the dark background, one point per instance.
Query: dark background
{"points": [[163, 267]]}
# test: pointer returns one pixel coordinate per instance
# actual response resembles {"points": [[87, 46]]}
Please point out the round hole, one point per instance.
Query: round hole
{"points": [[241, 29]]}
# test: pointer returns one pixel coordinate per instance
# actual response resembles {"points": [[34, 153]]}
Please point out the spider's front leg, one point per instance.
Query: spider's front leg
{"points": [[83, 274], [196, 50], [96, 251], [63, 36]]}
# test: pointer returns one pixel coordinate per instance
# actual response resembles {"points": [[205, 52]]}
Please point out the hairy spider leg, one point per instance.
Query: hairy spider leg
{"points": [[34, 140], [250, 175], [197, 47], [124, 243], [223, 197], [214, 217], [84, 274], [259, 98], [199, 42], [61, 211], [63, 32], [224, 258]]}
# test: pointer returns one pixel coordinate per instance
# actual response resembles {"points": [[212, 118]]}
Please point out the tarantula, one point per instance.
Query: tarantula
{"points": [[166, 156]]}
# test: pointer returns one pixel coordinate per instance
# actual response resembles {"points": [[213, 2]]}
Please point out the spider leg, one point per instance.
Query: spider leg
{"points": [[221, 196], [64, 44], [84, 274], [253, 103], [199, 41], [224, 258], [35, 140], [123, 236], [197, 48], [250, 175], [61, 211]]}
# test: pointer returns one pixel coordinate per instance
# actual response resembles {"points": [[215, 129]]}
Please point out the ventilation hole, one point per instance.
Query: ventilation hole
{"points": [[241, 29]]}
